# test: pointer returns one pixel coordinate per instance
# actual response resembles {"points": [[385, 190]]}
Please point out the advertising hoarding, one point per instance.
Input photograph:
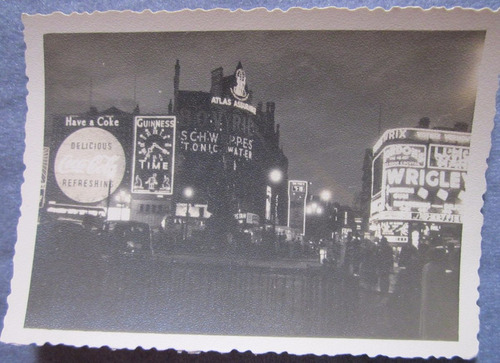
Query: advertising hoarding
{"points": [[448, 157], [395, 231], [154, 155], [403, 135], [420, 182], [269, 194], [248, 218], [212, 142], [89, 165], [82, 147], [297, 197], [404, 155]]}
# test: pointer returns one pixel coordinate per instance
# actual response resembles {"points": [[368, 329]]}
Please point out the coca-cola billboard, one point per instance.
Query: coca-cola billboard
{"points": [[89, 165]]}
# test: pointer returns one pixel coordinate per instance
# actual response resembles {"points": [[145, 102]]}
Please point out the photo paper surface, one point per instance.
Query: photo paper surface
{"points": [[306, 181]]}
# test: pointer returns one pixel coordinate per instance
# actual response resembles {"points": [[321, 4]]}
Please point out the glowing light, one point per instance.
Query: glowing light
{"points": [[188, 192], [325, 195], [122, 197], [276, 176]]}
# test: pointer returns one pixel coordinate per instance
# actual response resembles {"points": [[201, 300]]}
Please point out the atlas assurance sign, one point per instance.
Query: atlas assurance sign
{"points": [[89, 165], [239, 92]]}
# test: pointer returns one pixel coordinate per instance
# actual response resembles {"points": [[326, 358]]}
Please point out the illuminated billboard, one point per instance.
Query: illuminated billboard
{"points": [[89, 165], [154, 155], [395, 231], [297, 197], [449, 157], [419, 182], [212, 142], [403, 135], [269, 195]]}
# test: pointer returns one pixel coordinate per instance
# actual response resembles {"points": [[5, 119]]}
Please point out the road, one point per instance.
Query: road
{"points": [[207, 294]]}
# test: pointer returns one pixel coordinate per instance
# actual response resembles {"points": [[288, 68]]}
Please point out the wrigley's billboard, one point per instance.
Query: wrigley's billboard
{"points": [[420, 182]]}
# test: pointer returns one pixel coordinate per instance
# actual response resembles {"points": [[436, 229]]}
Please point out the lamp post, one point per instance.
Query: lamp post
{"points": [[188, 193], [275, 177]]}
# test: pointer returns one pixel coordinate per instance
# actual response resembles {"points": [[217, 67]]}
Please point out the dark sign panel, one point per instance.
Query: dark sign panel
{"points": [[297, 196], [154, 155]]}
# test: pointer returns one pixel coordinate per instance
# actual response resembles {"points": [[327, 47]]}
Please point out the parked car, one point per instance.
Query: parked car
{"points": [[129, 238], [67, 240]]}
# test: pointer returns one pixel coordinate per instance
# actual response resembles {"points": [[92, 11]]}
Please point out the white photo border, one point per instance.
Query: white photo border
{"points": [[259, 19]]}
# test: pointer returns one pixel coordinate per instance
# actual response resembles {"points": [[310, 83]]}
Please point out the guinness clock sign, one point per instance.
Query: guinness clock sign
{"points": [[154, 155]]}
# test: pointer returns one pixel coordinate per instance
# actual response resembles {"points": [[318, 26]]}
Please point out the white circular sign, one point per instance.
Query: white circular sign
{"points": [[87, 163]]}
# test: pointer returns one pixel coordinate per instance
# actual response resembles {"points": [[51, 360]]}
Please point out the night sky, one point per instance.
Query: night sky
{"points": [[330, 87]]}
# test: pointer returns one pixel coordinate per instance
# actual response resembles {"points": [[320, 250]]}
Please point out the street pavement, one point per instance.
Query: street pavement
{"points": [[206, 293]]}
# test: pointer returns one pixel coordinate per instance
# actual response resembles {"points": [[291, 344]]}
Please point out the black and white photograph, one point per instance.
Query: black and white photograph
{"points": [[254, 183]]}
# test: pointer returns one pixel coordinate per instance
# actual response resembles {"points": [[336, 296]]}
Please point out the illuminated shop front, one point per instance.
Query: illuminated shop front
{"points": [[419, 183]]}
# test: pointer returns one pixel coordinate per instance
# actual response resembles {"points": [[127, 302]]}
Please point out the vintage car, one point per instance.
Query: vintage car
{"points": [[128, 238]]}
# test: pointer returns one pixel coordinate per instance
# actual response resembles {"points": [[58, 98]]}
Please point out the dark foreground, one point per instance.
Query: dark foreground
{"points": [[215, 294]]}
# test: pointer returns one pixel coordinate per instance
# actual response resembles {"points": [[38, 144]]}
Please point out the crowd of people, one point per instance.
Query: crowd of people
{"points": [[420, 282]]}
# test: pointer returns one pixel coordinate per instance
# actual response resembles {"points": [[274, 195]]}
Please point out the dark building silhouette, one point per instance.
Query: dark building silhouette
{"points": [[227, 148]]}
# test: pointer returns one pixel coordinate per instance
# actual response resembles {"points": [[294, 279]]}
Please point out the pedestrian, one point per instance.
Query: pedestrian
{"points": [[407, 255], [369, 264], [438, 314], [353, 254], [406, 296], [385, 264]]}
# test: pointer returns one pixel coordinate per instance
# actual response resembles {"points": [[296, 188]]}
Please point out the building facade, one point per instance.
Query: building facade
{"points": [[227, 149], [418, 185], [216, 144]]}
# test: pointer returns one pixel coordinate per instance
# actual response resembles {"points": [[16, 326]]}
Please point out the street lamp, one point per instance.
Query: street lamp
{"points": [[188, 193], [325, 195], [275, 177]]}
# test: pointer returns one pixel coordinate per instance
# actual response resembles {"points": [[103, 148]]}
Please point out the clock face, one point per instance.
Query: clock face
{"points": [[153, 155], [153, 145]]}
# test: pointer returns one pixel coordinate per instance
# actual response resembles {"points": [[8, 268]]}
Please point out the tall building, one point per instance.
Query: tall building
{"points": [[227, 149]]}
